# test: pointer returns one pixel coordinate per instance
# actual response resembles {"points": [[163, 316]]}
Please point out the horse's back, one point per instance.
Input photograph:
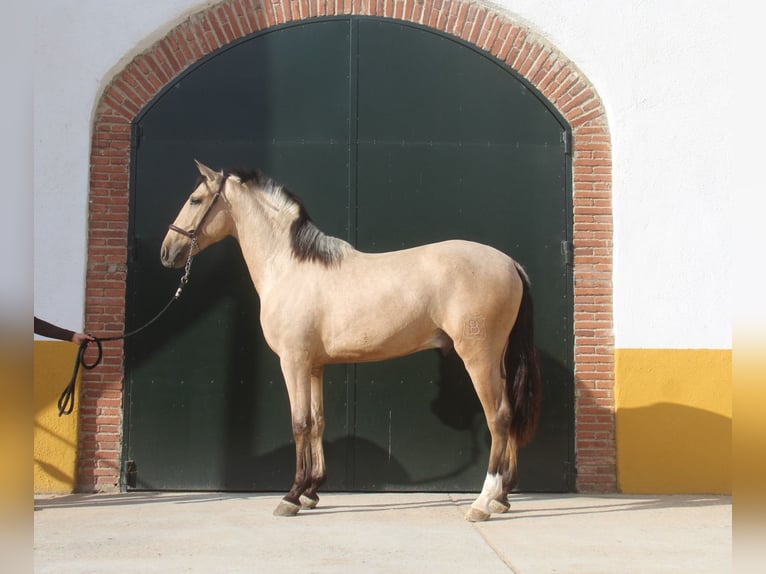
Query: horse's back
{"points": [[449, 280], [431, 270], [444, 253], [459, 264]]}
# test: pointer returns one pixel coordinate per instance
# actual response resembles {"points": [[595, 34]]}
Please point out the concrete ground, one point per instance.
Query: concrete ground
{"points": [[386, 533]]}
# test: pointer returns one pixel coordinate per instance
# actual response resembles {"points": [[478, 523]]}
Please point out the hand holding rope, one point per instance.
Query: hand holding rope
{"points": [[66, 400]]}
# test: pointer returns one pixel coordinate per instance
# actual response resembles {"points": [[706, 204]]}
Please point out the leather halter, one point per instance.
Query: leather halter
{"points": [[193, 233]]}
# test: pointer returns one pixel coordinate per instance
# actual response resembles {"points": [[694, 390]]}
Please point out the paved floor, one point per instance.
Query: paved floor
{"points": [[385, 533]]}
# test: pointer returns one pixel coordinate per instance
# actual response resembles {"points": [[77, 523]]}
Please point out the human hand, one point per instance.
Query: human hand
{"points": [[80, 338]]}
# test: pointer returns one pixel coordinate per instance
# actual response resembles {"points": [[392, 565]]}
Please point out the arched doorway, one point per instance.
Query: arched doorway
{"points": [[394, 135], [374, 159]]}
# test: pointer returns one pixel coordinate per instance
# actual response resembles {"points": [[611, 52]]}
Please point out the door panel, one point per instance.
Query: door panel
{"points": [[204, 379], [467, 151]]}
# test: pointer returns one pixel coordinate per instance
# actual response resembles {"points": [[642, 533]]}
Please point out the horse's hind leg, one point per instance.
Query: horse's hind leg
{"points": [[501, 504], [490, 388], [310, 498]]}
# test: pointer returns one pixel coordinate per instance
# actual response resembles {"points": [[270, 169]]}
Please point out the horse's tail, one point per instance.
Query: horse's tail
{"points": [[522, 369]]}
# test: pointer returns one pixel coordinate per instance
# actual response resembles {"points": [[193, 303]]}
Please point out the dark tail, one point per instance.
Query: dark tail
{"points": [[522, 369]]}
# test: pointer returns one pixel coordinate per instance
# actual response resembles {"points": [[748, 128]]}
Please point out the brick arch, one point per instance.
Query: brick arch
{"points": [[488, 28]]}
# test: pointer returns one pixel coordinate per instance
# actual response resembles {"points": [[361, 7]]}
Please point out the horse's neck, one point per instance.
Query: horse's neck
{"points": [[263, 235]]}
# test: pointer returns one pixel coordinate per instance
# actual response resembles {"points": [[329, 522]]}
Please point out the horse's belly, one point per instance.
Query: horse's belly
{"points": [[357, 344]]}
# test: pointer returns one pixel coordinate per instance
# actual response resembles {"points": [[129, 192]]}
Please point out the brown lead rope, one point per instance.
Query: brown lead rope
{"points": [[66, 400]]}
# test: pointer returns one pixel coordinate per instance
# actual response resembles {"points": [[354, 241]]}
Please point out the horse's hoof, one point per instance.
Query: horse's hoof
{"points": [[286, 509], [499, 506], [308, 502], [476, 515]]}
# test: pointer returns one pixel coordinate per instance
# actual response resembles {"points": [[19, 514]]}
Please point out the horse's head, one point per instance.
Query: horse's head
{"points": [[202, 221]]}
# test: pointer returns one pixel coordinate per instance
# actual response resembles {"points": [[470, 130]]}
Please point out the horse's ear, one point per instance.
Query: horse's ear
{"points": [[206, 172]]}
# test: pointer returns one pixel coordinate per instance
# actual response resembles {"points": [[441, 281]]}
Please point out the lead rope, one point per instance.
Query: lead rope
{"points": [[66, 400]]}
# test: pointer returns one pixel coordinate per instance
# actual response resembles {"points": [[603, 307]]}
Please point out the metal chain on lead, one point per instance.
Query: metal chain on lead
{"points": [[187, 267]]}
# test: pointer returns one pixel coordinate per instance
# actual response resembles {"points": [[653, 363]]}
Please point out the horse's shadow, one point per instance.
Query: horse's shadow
{"points": [[358, 463], [456, 405], [276, 468]]}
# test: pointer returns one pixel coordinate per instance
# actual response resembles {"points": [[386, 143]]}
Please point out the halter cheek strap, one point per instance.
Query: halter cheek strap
{"points": [[193, 233]]}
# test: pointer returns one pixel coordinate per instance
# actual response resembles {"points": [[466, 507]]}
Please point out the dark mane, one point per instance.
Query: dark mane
{"points": [[251, 176], [307, 241]]}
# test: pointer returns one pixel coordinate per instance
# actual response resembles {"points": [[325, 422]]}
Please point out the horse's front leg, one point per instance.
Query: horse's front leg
{"points": [[298, 381], [310, 498]]}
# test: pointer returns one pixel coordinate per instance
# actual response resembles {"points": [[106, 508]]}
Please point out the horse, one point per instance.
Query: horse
{"points": [[324, 302]]}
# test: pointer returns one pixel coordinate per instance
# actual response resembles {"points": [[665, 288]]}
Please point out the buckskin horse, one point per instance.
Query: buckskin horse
{"points": [[324, 302]]}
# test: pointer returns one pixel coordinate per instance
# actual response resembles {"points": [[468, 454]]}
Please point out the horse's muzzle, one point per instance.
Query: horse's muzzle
{"points": [[171, 258]]}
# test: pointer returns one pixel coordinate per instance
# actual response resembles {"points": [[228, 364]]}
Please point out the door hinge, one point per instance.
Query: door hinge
{"points": [[566, 139], [567, 252], [138, 133], [129, 473]]}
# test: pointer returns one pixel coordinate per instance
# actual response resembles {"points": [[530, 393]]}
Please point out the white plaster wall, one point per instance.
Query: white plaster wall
{"points": [[658, 67], [79, 46]]}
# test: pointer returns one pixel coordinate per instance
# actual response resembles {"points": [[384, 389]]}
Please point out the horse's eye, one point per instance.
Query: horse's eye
{"points": [[195, 201]]}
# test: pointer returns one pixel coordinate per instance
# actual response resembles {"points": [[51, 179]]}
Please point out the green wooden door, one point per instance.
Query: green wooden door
{"points": [[394, 136]]}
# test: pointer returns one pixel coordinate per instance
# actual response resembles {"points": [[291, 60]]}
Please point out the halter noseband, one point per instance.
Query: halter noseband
{"points": [[193, 233]]}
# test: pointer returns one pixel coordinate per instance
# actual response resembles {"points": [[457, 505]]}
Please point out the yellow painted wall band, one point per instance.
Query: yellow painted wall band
{"points": [[55, 438], [673, 411]]}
